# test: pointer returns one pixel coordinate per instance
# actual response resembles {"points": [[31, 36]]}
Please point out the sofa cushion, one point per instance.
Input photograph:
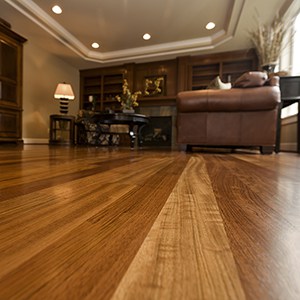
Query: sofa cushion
{"points": [[217, 84], [251, 79]]}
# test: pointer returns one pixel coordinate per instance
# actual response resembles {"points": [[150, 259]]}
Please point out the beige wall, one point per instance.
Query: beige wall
{"points": [[41, 73]]}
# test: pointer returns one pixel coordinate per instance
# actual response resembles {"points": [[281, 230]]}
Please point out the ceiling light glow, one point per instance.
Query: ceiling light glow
{"points": [[95, 45], [56, 9], [146, 36], [210, 25]]}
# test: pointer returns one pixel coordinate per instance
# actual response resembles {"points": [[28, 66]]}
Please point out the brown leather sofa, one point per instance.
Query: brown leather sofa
{"points": [[243, 116]]}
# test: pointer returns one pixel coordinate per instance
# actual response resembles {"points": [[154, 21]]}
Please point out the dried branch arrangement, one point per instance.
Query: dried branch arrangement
{"points": [[268, 40]]}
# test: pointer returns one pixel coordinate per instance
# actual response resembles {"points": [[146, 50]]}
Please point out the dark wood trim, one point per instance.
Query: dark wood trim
{"points": [[178, 75]]}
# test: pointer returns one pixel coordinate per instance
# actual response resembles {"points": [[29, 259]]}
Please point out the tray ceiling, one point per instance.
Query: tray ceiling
{"points": [[177, 27]]}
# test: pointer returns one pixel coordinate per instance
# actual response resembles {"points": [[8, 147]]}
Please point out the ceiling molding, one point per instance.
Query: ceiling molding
{"points": [[32, 11]]}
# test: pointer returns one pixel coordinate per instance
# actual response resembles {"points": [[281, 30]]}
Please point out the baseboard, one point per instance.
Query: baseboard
{"points": [[288, 147], [35, 141]]}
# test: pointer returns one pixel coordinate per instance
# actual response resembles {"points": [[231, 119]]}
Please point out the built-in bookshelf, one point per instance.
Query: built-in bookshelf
{"points": [[196, 72], [100, 86]]}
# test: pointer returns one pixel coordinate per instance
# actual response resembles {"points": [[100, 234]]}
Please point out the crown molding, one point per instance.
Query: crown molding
{"points": [[33, 12]]}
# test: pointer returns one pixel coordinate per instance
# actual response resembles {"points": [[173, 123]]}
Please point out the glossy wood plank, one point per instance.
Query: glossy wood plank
{"points": [[93, 226], [260, 204], [97, 223], [186, 254]]}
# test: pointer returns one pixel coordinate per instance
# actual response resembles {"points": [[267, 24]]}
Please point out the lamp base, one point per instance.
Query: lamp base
{"points": [[63, 106]]}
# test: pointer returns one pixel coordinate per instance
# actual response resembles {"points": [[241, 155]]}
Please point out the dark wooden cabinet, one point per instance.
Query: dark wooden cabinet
{"points": [[11, 53]]}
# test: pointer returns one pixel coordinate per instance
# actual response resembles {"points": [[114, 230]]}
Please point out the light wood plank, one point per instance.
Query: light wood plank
{"points": [[186, 255]]}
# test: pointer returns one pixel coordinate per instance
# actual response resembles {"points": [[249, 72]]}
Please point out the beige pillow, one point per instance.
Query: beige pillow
{"points": [[217, 84], [251, 79]]}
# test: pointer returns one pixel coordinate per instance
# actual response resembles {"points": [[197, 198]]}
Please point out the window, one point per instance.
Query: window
{"points": [[296, 47], [290, 60]]}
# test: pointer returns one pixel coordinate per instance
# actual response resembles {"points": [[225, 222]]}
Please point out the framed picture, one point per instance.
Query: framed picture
{"points": [[155, 86]]}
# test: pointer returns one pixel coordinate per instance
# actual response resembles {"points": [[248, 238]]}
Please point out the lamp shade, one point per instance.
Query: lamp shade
{"points": [[64, 91]]}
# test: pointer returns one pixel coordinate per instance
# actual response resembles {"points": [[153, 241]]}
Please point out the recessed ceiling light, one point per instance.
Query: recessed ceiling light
{"points": [[56, 9], [146, 36], [210, 25], [95, 45]]}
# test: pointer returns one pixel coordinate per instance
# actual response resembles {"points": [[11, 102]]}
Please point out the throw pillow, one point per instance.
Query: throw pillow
{"points": [[217, 84], [251, 79]]}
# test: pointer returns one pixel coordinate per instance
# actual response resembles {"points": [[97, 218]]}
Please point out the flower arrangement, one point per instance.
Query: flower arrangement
{"points": [[268, 40], [127, 99]]}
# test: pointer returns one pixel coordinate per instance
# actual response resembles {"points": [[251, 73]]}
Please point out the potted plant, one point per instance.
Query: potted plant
{"points": [[127, 99]]}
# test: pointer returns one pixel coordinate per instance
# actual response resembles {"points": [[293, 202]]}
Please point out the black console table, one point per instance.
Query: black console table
{"points": [[290, 93], [134, 121]]}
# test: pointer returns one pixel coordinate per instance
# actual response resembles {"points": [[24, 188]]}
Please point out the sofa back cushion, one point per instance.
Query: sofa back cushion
{"points": [[251, 79], [254, 99]]}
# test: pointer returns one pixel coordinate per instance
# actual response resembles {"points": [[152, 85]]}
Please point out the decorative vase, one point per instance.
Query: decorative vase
{"points": [[128, 111], [269, 68]]}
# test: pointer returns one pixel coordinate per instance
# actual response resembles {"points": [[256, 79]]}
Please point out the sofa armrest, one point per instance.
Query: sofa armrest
{"points": [[273, 81]]}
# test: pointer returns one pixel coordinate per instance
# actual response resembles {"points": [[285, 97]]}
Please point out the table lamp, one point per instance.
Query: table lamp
{"points": [[64, 93]]}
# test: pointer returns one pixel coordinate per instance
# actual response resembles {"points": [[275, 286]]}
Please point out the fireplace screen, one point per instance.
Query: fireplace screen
{"points": [[158, 133]]}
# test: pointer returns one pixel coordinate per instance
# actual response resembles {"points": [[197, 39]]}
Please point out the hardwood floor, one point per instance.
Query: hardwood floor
{"points": [[98, 223]]}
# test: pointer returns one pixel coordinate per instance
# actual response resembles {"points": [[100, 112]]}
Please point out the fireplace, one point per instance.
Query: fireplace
{"points": [[158, 133], [161, 132]]}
